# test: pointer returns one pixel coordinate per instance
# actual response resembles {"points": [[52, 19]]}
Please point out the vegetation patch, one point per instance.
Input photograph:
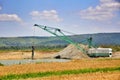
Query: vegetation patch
{"points": [[1, 64], [114, 47], [58, 73]]}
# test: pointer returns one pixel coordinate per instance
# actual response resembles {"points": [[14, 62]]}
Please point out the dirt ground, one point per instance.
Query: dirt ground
{"points": [[37, 55], [24, 55], [116, 54]]}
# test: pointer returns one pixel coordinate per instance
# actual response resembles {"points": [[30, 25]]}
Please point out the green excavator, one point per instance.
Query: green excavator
{"points": [[58, 33], [92, 51]]}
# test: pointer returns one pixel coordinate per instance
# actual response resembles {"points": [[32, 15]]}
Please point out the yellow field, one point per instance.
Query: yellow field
{"points": [[24, 55], [61, 66], [91, 76], [72, 65]]}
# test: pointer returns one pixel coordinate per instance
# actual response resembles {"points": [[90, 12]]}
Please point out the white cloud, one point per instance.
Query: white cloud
{"points": [[10, 17], [105, 11], [46, 15]]}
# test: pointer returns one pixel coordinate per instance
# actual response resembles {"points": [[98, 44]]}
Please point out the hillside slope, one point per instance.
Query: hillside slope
{"points": [[98, 39]]}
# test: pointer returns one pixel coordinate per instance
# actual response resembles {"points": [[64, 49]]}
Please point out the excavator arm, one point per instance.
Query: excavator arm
{"points": [[58, 33]]}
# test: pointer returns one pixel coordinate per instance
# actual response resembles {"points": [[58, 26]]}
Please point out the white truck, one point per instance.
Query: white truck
{"points": [[100, 52]]}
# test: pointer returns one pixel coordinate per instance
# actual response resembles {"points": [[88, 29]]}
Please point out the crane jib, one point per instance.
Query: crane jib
{"points": [[58, 33]]}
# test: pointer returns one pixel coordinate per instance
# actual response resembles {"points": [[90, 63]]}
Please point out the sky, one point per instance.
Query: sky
{"points": [[17, 17]]}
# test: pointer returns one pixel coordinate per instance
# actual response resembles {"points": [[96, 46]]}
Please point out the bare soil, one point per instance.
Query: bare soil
{"points": [[24, 55], [43, 55]]}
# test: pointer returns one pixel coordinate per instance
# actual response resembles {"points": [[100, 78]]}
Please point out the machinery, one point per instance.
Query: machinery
{"points": [[92, 52], [100, 52]]}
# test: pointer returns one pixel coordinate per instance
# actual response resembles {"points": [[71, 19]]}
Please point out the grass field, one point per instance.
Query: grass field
{"points": [[50, 71], [83, 69], [87, 76], [60, 73]]}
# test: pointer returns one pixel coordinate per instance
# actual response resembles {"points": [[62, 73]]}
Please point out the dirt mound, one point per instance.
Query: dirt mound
{"points": [[71, 52]]}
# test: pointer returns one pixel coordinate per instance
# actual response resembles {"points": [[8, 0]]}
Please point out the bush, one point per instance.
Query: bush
{"points": [[1, 64]]}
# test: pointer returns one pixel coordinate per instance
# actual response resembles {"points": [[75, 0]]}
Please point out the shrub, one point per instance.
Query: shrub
{"points": [[1, 64]]}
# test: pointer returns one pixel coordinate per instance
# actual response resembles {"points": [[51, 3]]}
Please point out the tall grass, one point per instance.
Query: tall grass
{"points": [[58, 73]]}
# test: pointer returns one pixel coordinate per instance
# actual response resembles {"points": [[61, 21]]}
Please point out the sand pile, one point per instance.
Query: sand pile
{"points": [[71, 52]]}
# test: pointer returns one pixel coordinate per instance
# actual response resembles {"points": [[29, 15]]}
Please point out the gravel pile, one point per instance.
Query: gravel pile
{"points": [[71, 52]]}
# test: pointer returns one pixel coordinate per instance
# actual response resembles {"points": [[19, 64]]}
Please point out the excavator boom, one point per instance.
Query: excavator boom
{"points": [[58, 33]]}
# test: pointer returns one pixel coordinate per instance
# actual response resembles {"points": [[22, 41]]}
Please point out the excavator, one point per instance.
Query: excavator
{"points": [[91, 52]]}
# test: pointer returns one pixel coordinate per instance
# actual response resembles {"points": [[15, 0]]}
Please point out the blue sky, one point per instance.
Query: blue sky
{"points": [[17, 17]]}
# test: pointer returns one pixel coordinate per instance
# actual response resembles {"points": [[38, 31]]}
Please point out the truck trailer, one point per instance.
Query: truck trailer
{"points": [[100, 52]]}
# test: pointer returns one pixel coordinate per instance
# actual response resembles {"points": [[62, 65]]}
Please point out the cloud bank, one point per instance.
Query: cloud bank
{"points": [[50, 15], [104, 11], [10, 17]]}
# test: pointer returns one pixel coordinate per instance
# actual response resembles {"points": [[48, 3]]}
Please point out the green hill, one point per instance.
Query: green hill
{"points": [[98, 39]]}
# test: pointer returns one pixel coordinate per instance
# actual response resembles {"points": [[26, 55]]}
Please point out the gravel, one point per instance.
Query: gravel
{"points": [[13, 62], [71, 52]]}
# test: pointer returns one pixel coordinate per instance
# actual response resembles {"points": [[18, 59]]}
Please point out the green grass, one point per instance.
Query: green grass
{"points": [[50, 50], [29, 50], [1, 64], [58, 73], [114, 47]]}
